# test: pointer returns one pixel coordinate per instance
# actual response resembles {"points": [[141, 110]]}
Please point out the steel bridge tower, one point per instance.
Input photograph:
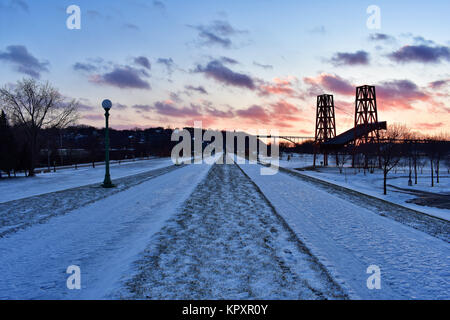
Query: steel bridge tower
{"points": [[325, 124], [366, 114]]}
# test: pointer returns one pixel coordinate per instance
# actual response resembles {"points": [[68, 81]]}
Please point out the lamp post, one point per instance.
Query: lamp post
{"points": [[106, 104]]}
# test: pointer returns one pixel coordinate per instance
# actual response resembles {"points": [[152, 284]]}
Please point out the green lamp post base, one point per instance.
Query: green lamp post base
{"points": [[108, 185]]}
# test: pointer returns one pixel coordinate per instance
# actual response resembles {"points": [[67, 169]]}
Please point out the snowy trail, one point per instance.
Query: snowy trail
{"points": [[228, 243], [20, 214], [348, 238], [102, 238], [439, 228], [19, 188]]}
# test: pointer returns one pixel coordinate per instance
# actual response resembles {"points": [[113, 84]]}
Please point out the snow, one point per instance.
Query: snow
{"points": [[228, 243], [348, 238], [102, 238], [202, 233], [372, 184], [21, 187]]}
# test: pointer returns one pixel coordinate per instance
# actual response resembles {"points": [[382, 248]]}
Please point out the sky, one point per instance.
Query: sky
{"points": [[236, 65]]}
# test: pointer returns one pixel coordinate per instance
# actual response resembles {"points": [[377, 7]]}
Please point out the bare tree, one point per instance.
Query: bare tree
{"points": [[342, 157], [34, 106], [409, 152], [447, 163], [438, 149], [391, 150], [415, 153]]}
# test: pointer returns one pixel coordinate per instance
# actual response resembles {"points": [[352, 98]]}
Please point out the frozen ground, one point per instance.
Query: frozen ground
{"points": [[347, 238], [429, 224], [103, 238], [19, 214], [22, 187], [202, 231], [228, 243], [421, 197]]}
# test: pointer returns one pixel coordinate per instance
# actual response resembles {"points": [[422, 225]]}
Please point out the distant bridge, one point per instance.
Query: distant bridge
{"points": [[293, 139]]}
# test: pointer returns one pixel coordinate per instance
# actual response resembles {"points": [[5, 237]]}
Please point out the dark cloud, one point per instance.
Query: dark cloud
{"points": [[421, 53], [175, 97], [200, 89], [159, 5], [398, 88], [393, 94], [422, 41], [264, 66], [169, 109], [119, 106], [438, 84], [400, 94], [381, 37], [227, 60], [219, 113], [121, 76], [168, 63], [218, 32], [124, 77], [143, 62], [329, 82], [211, 38], [350, 59], [142, 107], [88, 67], [23, 61], [216, 70]]}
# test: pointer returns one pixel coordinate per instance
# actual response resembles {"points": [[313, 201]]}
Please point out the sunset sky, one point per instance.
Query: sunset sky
{"points": [[234, 64]]}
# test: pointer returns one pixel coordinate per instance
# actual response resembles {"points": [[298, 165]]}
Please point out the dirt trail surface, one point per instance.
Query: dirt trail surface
{"points": [[228, 243], [19, 214]]}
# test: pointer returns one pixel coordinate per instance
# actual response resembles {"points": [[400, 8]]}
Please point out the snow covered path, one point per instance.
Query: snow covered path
{"points": [[19, 214], [436, 227], [102, 238], [228, 243], [21, 187], [348, 238]]}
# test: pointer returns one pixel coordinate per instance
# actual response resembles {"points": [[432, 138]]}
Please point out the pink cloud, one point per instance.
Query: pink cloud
{"points": [[279, 87], [329, 82]]}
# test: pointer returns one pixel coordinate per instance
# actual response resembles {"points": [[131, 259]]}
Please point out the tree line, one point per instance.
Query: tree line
{"points": [[38, 130]]}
